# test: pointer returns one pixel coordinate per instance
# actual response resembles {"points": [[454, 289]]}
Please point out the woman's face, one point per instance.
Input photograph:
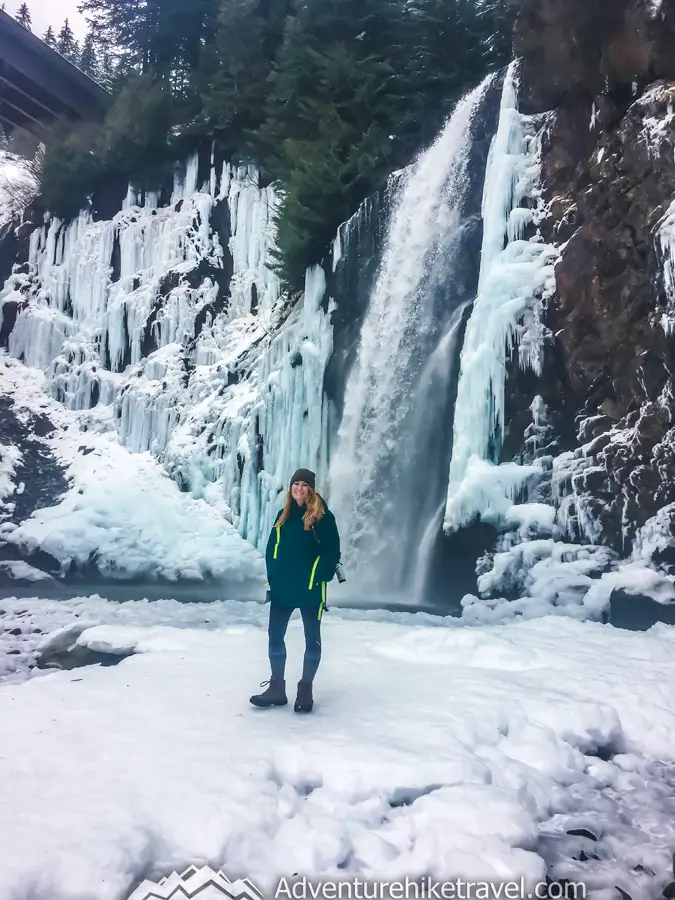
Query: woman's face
{"points": [[300, 492]]}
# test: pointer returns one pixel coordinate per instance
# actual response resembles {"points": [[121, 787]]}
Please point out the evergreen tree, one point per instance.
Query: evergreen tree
{"points": [[23, 16], [88, 61], [164, 38], [106, 69], [498, 19], [67, 45], [327, 97], [333, 105], [234, 75], [49, 38]]}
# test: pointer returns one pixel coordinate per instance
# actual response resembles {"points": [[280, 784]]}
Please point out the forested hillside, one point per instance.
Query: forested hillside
{"points": [[325, 97]]}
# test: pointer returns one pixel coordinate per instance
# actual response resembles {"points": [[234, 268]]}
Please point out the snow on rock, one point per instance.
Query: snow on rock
{"points": [[122, 512], [655, 537], [658, 100], [538, 578], [132, 520], [9, 457], [515, 274], [168, 320], [474, 752], [493, 490], [21, 571], [666, 242]]}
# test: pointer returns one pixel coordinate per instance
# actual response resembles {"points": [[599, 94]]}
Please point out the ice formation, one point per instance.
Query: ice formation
{"points": [[514, 275], [169, 321], [666, 243], [171, 316]]}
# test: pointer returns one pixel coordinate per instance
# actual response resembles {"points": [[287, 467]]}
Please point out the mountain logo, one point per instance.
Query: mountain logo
{"points": [[202, 884]]}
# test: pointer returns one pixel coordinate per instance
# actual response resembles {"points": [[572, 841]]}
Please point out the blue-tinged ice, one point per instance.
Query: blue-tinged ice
{"points": [[514, 276]]}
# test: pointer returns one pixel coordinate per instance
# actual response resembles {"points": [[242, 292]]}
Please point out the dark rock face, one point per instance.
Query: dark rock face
{"points": [[43, 483], [608, 72]]}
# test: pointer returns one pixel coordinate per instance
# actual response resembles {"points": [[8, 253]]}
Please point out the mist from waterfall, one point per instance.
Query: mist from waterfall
{"points": [[388, 470]]}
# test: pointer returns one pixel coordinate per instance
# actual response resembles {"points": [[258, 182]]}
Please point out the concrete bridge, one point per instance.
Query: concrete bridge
{"points": [[37, 85]]}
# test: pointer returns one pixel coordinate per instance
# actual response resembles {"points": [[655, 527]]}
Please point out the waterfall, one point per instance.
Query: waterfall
{"points": [[389, 466]]}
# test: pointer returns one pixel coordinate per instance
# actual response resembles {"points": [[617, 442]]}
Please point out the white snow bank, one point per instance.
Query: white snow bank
{"points": [[551, 577], [122, 510], [128, 515], [431, 751]]}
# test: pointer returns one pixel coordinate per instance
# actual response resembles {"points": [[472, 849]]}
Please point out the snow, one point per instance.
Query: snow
{"points": [[546, 576], [132, 519], [492, 490], [9, 457], [21, 570], [110, 775], [666, 242], [573, 515], [655, 536], [514, 276], [121, 511]]}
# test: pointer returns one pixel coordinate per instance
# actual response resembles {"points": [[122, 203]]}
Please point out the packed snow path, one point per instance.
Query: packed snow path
{"points": [[435, 748]]}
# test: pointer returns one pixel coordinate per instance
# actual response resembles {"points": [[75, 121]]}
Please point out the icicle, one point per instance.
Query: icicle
{"points": [[666, 241], [514, 274], [129, 313]]}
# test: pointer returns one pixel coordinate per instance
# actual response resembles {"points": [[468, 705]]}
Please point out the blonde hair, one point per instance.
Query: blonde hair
{"points": [[314, 509]]}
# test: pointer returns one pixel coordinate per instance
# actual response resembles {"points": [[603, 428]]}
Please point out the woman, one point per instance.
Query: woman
{"points": [[302, 554]]}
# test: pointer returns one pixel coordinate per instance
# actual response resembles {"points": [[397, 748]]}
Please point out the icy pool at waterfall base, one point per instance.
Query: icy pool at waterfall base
{"points": [[532, 749]]}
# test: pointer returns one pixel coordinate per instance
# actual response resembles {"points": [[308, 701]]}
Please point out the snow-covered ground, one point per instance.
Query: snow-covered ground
{"points": [[122, 511], [435, 748]]}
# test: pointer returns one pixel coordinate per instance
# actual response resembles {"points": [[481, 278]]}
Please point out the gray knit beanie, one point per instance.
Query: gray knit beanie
{"points": [[306, 476]]}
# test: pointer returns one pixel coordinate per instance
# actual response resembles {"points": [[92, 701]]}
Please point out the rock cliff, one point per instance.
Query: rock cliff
{"points": [[606, 73]]}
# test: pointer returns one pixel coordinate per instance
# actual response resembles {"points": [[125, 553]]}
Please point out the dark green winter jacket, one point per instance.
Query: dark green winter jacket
{"points": [[301, 563]]}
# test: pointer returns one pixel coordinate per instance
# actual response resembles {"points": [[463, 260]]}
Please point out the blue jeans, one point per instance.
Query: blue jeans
{"points": [[278, 623]]}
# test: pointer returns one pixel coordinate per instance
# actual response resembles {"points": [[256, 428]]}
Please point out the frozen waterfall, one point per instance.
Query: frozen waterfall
{"points": [[515, 273], [166, 323], [389, 467]]}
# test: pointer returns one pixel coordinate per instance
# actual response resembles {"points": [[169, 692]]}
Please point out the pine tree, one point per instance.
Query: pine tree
{"points": [[23, 16], [67, 45], [88, 61], [163, 37], [235, 74], [357, 87], [335, 100], [106, 69], [49, 38]]}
